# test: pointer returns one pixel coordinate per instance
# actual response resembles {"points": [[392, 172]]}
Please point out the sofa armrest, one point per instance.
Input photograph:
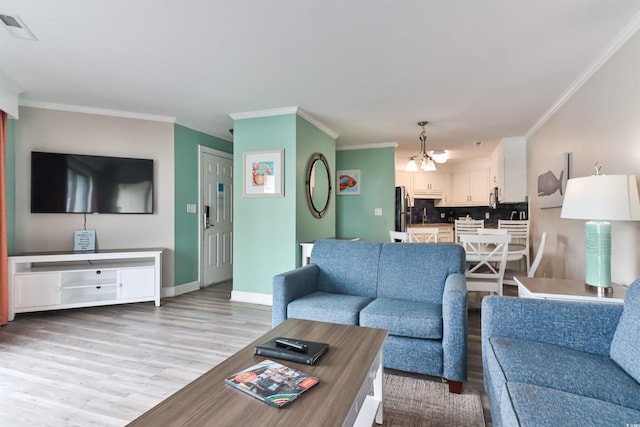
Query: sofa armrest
{"points": [[290, 286], [454, 328], [581, 326]]}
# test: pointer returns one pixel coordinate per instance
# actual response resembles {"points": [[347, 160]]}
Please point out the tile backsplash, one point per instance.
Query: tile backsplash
{"points": [[434, 214]]}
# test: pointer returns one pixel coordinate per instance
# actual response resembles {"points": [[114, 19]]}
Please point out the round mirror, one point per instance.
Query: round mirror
{"points": [[318, 185]]}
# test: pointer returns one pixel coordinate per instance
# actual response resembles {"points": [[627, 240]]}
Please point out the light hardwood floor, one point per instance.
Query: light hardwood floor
{"points": [[105, 366]]}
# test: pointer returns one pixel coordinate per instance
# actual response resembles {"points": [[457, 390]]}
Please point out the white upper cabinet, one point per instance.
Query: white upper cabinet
{"points": [[429, 183], [405, 179], [425, 185], [470, 187], [509, 170], [470, 184]]}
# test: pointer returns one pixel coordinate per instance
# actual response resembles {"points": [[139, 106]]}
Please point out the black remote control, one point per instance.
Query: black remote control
{"points": [[292, 345]]}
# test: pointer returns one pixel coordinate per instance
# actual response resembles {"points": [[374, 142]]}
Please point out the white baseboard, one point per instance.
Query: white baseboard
{"points": [[180, 289], [251, 297]]}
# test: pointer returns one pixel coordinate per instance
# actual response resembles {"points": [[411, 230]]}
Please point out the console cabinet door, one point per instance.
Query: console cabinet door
{"points": [[136, 283], [36, 290]]}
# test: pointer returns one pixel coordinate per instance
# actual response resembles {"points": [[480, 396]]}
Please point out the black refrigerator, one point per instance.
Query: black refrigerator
{"points": [[402, 209]]}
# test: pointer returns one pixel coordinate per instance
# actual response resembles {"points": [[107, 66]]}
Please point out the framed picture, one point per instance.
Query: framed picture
{"points": [[348, 182], [263, 173], [552, 182]]}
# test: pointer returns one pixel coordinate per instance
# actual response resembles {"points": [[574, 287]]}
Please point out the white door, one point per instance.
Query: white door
{"points": [[216, 188]]}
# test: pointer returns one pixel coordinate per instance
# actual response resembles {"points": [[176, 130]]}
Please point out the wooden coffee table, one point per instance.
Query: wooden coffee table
{"points": [[348, 371]]}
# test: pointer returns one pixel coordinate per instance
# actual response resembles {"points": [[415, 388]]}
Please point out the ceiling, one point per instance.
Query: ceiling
{"points": [[368, 69]]}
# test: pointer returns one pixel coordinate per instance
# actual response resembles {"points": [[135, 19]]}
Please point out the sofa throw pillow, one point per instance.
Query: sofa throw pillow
{"points": [[626, 340]]}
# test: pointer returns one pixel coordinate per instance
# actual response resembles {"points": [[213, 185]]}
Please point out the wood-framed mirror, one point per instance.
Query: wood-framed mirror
{"points": [[318, 185]]}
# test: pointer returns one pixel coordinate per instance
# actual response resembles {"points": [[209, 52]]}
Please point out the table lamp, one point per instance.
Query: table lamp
{"points": [[600, 198]]}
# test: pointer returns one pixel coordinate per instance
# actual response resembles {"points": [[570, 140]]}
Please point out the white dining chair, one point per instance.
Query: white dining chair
{"points": [[519, 232], [486, 257], [510, 273], [422, 234], [467, 227], [398, 236], [493, 231]]}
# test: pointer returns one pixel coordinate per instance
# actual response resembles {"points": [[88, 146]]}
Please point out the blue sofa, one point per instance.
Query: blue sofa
{"points": [[417, 291], [561, 363]]}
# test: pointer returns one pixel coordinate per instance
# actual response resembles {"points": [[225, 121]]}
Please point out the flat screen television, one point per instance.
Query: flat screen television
{"points": [[75, 183]]}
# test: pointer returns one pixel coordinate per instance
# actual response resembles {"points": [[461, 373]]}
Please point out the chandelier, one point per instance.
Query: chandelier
{"points": [[427, 160]]}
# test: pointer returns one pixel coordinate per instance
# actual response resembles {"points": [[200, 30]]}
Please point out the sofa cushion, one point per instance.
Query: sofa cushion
{"points": [[417, 271], [626, 340], [347, 267], [530, 405], [561, 368], [404, 318], [327, 307]]}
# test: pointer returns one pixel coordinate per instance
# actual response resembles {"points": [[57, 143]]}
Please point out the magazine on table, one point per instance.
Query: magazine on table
{"points": [[272, 382], [309, 355]]}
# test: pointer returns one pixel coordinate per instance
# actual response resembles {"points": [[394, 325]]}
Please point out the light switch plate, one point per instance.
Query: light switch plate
{"points": [[377, 211], [191, 208], [487, 215], [442, 215]]}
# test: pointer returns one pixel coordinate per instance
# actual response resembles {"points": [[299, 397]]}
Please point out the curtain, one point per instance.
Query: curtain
{"points": [[4, 263]]}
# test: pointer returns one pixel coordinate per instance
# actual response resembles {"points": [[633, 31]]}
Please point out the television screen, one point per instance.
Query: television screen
{"points": [[74, 183]]}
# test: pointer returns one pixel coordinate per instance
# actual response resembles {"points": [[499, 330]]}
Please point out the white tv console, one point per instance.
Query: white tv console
{"points": [[57, 280]]}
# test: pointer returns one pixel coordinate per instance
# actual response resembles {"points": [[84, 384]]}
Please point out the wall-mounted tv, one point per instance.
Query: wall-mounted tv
{"points": [[75, 183]]}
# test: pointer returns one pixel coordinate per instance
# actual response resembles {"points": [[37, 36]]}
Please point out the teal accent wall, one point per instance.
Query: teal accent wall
{"points": [[186, 147], [355, 214], [312, 140], [264, 227], [10, 177]]}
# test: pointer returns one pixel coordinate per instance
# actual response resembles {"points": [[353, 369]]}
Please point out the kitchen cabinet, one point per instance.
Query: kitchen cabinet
{"points": [[470, 187], [425, 185], [405, 179], [428, 183], [509, 170]]}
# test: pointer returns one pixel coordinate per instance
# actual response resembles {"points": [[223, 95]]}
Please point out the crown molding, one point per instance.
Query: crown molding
{"points": [[264, 113], [227, 138], [97, 111], [317, 123], [368, 146], [284, 111], [621, 38]]}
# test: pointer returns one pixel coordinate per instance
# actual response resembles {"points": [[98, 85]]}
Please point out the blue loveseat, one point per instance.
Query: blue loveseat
{"points": [[560, 363], [417, 291]]}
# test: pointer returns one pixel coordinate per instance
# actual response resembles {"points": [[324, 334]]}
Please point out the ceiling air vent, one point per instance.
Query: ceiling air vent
{"points": [[15, 27]]}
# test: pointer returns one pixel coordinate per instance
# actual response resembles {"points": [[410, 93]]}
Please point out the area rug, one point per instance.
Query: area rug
{"points": [[413, 402]]}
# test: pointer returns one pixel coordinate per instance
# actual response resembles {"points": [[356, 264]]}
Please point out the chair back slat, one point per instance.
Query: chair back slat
{"points": [[486, 256], [422, 235]]}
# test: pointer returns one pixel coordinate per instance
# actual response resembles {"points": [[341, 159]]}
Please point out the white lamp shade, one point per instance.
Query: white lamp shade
{"points": [[440, 156], [427, 164], [412, 166], [602, 197]]}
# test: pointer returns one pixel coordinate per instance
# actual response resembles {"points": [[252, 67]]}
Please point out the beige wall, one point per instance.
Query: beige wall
{"points": [[599, 123], [57, 131]]}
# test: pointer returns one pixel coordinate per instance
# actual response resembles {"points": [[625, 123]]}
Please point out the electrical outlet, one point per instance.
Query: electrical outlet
{"points": [[487, 215], [191, 208], [442, 215], [377, 211]]}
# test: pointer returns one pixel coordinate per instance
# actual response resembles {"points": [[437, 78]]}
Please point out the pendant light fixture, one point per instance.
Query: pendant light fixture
{"points": [[426, 161]]}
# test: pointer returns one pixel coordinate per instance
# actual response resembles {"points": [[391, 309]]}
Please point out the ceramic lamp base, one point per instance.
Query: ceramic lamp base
{"points": [[598, 252]]}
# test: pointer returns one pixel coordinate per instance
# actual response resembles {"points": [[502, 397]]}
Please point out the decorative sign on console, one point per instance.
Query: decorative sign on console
{"points": [[84, 240]]}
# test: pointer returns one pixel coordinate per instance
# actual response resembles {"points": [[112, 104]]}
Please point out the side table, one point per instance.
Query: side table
{"points": [[567, 289]]}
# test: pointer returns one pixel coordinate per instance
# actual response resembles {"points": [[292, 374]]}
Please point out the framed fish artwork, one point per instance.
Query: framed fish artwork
{"points": [[263, 173], [348, 182], [552, 182]]}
